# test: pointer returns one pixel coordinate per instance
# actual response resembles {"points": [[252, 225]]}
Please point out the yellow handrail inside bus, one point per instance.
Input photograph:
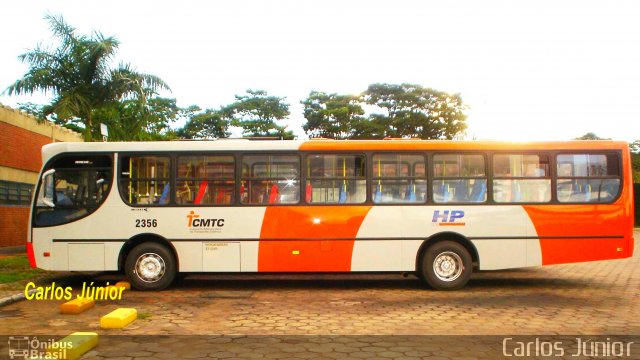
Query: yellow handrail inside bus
{"points": [[186, 183], [130, 182], [146, 174], [344, 172], [379, 174]]}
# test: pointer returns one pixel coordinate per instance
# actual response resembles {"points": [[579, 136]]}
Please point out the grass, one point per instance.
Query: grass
{"points": [[15, 276], [16, 268], [19, 262]]}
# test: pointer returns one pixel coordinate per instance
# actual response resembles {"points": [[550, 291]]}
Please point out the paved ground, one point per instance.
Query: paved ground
{"points": [[341, 312]]}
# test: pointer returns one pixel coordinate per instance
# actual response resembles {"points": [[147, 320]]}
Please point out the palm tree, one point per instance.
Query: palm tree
{"points": [[78, 74]]}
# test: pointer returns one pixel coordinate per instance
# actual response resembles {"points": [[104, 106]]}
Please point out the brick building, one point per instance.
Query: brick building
{"points": [[21, 139]]}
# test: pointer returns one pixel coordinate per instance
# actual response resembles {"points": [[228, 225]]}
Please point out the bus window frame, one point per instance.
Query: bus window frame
{"points": [[239, 168], [371, 178], [175, 178], [551, 176], [487, 176], [367, 158], [172, 179], [617, 153]]}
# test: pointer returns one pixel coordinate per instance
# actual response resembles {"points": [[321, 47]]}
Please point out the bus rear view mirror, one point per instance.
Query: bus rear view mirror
{"points": [[48, 183]]}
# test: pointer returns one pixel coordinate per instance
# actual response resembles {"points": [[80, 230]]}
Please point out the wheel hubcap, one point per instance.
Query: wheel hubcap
{"points": [[448, 266], [150, 267]]}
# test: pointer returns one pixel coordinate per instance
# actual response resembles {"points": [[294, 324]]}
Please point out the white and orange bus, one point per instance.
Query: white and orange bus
{"points": [[439, 209]]}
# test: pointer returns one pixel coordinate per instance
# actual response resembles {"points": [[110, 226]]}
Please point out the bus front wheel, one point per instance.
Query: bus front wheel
{"points": [[150, 266], [446, 265]]}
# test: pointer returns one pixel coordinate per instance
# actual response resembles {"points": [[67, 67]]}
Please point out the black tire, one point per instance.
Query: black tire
{"points": [[161, 266], [451, 276]]}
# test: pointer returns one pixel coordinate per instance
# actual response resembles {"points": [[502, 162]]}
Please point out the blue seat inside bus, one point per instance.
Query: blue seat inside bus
{"points": [[460, 191], [411, 193], [343, 194], [479, 191], [457, 191], [378, 196], [516, 192], [164, 199], [444, 191], [586, 190]]}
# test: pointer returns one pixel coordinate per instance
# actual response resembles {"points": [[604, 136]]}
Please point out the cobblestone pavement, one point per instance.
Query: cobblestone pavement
{"points": [[597, 298]]}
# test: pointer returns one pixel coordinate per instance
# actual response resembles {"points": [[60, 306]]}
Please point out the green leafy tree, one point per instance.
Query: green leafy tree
{"points": [[36, 110], [140, 119], [44, 113], [414, 111], [376, 126], [332, 116], [590, 136], [257, 113], [78, 73], [208, 124]]}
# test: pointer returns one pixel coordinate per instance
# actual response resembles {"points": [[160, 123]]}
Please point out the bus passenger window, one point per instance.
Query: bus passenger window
{"points": [[335, 179], [521, 178], [399, 178], [270, 179], [205, 180], [144, 180], [587, 178], [459, 178]]}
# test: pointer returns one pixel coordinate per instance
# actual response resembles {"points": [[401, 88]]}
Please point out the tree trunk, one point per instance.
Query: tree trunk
{"points": [[88, 127]]}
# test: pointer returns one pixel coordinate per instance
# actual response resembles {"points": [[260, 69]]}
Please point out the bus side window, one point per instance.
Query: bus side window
{"points": [[270, 179], [521, 178], [588, 178], [205, 180], [459, 178], [144, 179], [335, 179], [398, 178]]}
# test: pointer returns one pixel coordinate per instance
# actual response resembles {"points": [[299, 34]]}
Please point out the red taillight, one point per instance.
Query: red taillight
{"points": [[30, 255]]}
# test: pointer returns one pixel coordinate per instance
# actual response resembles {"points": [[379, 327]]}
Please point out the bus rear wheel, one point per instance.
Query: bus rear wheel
{"points": [[150, 266], [446, 265]]}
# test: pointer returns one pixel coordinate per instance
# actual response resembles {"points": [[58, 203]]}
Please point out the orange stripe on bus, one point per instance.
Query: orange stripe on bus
{"points": [[575, 221], [300, 222]]}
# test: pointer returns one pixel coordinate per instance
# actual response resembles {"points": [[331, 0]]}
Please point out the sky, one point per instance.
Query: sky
{"points": [[528, 70]]}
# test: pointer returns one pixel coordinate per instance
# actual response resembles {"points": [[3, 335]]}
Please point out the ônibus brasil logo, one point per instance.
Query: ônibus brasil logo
{"points": [[448, 217], [195, 221], [25, 347]]}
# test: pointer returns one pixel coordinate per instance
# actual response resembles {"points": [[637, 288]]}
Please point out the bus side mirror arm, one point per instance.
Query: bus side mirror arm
{"points": [[49, 188]]}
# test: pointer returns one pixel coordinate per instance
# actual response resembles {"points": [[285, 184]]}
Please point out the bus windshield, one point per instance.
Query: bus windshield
{"points": [[75, 187]]}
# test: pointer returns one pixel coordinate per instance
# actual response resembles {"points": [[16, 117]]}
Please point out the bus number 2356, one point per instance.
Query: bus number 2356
{"points": [[146, 223]]}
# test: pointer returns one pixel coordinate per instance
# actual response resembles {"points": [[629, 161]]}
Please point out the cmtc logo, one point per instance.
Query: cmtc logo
{"points": [[196, 222], [448, 217]]}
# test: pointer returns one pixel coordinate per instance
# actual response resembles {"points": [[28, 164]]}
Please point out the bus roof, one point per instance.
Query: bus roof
{"points": [[53, 149]]}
